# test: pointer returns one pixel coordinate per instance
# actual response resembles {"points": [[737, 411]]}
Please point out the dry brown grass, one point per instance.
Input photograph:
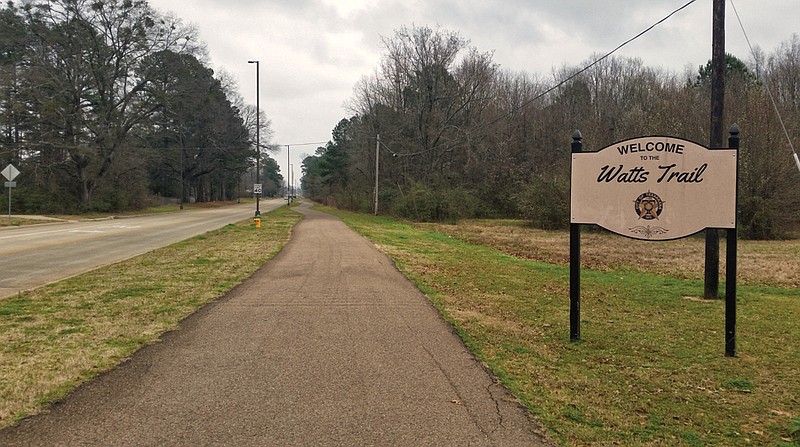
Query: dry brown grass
{"points": [[16, 221], [774, 263]]}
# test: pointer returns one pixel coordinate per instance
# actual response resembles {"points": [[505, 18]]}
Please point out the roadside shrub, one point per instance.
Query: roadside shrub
{"points": [[765, 219], [352, 199], [544, 203], [428, 204], [34, 200]]}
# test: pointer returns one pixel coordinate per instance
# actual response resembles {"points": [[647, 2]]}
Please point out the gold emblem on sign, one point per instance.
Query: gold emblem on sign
{"points": [[648, 206]]}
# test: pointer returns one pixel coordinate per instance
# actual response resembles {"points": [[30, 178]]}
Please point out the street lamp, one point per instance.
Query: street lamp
{"points": [[288, 177], [258, 142]]}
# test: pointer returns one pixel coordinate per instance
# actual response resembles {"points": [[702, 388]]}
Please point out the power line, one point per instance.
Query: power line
{"points": [[395, 154], [606, 56], [301, 144], [769, 92], [572, 76]]}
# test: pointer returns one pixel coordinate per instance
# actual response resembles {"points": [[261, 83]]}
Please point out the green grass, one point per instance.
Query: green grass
{"points": [[650, 369], [60, 335]]}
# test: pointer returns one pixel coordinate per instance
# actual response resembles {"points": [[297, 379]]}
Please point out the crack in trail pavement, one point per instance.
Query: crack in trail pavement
{"points": [[327, 345]]}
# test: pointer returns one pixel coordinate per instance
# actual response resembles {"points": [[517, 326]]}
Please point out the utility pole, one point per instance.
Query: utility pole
{"points": [[183, 187], [377, 157], [718, 66]]}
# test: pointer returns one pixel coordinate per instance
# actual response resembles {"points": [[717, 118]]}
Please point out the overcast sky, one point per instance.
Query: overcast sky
{"points": [[313, 52]]}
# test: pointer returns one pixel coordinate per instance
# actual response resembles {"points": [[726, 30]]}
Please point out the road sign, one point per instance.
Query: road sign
{"points": [[257, 188], [10, 172]]}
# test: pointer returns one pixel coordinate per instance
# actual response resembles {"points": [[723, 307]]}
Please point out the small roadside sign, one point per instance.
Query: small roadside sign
{"points": [[257, 188], [10, 172]]}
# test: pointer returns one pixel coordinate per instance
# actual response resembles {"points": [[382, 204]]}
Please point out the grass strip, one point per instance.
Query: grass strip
{"points": [[58, 336], [650, 369]]}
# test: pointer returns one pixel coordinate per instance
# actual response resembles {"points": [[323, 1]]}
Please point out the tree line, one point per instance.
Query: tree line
{"points": [[462, 138], [107, 104]]}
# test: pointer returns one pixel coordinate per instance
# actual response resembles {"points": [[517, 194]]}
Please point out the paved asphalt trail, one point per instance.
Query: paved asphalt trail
{"points": [[327, 345]]}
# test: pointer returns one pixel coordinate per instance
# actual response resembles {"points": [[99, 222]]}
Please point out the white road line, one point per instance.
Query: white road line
{"points": [[69, 230]]}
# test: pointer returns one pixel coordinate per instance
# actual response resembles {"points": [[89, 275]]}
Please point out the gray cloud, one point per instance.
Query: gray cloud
{"points": [[312, 52]]}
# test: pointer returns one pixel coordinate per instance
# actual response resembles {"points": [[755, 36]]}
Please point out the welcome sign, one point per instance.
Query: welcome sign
{"points": [[654, 188]]}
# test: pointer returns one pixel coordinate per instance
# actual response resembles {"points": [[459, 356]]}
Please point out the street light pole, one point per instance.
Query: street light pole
{"points": [[258, 142], [288, 177]]}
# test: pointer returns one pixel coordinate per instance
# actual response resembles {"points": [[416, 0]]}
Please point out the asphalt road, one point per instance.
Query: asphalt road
{"points": [[34, 255], [326, 345]]}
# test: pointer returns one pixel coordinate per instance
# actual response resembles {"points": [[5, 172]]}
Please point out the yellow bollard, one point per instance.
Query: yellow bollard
{"points": [[258, 222]]}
